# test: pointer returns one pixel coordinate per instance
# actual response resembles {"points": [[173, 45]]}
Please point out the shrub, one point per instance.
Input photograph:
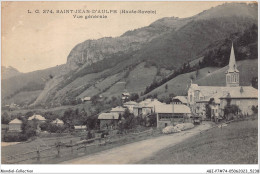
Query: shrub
{"points": [[255, 109], [5, 118], [15, 137]]}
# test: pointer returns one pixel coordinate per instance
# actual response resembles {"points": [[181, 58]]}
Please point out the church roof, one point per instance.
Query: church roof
{"points": [[232, 66], [241, 92], [218, 92]]}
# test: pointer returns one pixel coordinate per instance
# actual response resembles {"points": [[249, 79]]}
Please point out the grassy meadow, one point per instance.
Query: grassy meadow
{"points": [[236, 143]]}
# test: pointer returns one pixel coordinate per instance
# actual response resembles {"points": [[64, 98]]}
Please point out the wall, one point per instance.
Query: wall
{"points": [[15, 127], [244, 104]]}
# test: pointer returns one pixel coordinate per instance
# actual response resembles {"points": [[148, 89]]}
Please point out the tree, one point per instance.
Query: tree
{"points": [[134, 97], [152, 120], [28, 129], [45, 126], [208, 111], [255, 109], [129, 121], [5, 118], [254, 82], [197, 73], [231, 109], [68, 118], [91, 122], [94, 99], [166, 87]]}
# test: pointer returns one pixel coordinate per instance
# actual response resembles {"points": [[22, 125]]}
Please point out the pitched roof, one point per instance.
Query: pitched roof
{"points": [[16, 121], [232, 66], [171, 108], [37, 117], [58, 121], [183, 99], [181, 109], [241, 92], [130, 103], [108, 116], [87, 98], [126, 94], [118, 109], [165, 109]]}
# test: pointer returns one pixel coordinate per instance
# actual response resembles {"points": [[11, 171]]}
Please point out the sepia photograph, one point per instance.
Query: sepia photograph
{"points": [[145, 82]]}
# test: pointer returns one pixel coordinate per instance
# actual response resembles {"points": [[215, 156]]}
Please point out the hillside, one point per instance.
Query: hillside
{"points": [[237, 143], [210, 76], [8, 72], [136, 59], [28, 82]]}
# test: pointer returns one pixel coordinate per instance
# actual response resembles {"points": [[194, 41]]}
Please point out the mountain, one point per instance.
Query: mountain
{"points": [[28, 82], [143, 56], [8, 72]]}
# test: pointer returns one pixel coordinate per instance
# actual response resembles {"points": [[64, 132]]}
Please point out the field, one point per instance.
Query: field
{"points": [[25, 152], [233, 144]]}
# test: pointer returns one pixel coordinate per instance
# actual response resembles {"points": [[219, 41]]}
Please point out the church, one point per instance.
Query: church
{"points": [[243, 96]]}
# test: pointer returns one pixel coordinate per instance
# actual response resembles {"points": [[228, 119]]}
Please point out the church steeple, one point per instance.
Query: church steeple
{"points": [[232, 74]]}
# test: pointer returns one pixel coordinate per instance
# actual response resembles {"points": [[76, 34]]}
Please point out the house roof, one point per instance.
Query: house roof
{"points": [[37, 117], [183, 99], [126, 94], [87, 98], [130, 103], [58, 121], [108, 116], [80, 127], [118, 109], [171, 108], [181, 109], [16, 121], [165, 109]]}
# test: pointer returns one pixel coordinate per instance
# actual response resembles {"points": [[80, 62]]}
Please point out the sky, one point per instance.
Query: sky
{"points": [[33, 41]]}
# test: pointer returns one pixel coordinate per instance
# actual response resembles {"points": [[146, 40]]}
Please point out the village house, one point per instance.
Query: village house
{"points": [[146, 107], [243, 96], [142, 110], [172, 114], [80, 128], [85, 99], [15, 125], [108, 120], [118, 109], [125, 96], [130, 105], [37, 118]]}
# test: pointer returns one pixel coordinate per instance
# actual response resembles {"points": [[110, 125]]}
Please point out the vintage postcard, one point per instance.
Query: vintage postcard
{"points": [[130, 83]]}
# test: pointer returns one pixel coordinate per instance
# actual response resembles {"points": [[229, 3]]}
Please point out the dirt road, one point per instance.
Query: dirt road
{"points": [[134, 152]]}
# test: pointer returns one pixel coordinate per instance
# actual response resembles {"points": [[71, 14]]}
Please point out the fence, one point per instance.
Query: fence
{"points": [[68, 148]]}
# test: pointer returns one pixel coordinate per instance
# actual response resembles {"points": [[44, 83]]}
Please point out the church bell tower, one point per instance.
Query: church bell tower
{"points": [[232, 74]]}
